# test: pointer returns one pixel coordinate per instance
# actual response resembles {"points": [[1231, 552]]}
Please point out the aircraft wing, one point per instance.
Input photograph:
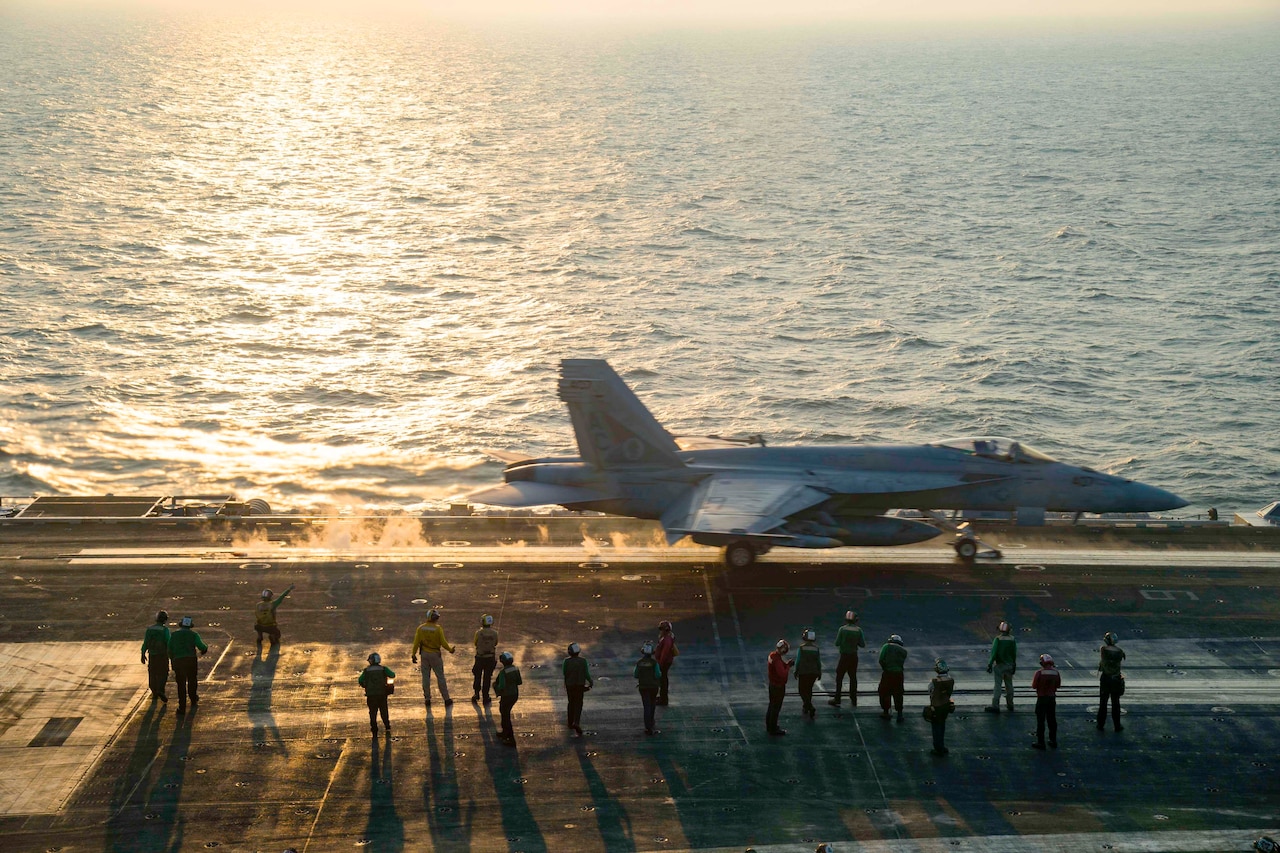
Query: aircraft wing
{"points": [[732, 502]]}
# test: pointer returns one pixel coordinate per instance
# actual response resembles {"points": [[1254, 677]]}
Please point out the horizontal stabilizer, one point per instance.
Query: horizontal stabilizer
{"points": [[526, 493], [505, 456]]}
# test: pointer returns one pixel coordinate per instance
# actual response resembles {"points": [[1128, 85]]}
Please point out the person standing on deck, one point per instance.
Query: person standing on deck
{"points": [[486, 643], [808, 670], [183, 645], [1045, 683], [429, 639], [1110, 681], [264, 616], [848, 640], [665, 654], [507, 686], [1003, 663], [377, 681], [779, 669], [940, 706], [155, 654], [893, 658], [648, 677], [577, 681]]}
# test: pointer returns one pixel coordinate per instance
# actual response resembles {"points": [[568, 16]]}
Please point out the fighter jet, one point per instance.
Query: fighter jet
{"points": [[748, 497]]}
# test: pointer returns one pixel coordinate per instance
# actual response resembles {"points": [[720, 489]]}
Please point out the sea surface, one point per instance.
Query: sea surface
{"points": [[327, 264]]}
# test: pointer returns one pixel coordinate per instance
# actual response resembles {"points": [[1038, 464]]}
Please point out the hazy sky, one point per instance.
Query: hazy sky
{"points": [[731, 12]]}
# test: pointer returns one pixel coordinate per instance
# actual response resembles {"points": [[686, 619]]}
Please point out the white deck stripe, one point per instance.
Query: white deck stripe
{"points": [[1082, 842]]}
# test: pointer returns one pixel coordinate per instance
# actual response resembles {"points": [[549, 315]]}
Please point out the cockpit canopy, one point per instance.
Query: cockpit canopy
{"points": [[995, 447]]}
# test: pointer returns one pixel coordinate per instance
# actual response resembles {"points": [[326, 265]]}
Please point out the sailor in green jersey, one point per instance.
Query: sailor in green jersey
{"points": [[264, 615], [155, 654], [848, 640], [577, 681], [940, 689], [183, 645], [893, 656], [376, 680], [507, 686], [1110, 681], [808, 669], [648, 679], [1004, 663]]}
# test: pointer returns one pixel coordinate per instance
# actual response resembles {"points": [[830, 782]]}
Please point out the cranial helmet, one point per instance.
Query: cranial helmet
{"points": [[647, 648], [1046, 660], [664, 625], [486, 620], [266, 593], [433, 615], [1005, 627], [851, 616], [809, 634], [896, 640], [1109, 638], [939, 666], [162, 616], [375, 658], [506, 659], [783, 646], [186, 622]]}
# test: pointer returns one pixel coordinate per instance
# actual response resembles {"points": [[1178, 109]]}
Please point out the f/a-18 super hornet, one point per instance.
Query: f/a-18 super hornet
{"points": [[748, 497]]}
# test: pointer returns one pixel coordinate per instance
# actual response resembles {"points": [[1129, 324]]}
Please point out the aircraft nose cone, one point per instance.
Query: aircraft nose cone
{"points": [[1151, 499]]}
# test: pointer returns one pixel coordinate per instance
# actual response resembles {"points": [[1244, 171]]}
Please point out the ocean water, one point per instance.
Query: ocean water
{"points": [[327, 265]]}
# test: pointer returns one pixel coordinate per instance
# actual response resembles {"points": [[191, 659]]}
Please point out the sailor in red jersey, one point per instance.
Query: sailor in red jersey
{"points": [[1045, 683], [664, 652], [779, 670]]}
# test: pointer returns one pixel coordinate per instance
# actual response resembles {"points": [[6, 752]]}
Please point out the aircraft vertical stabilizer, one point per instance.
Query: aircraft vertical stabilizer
{"points": [[612, 426]]}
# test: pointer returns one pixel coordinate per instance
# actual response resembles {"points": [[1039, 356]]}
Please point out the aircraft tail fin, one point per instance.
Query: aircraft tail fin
{"points": [[612, 426]]}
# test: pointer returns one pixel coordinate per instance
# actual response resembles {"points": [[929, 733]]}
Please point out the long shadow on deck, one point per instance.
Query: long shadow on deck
{"points": [[258, 708], [126, 811], [384, 829]]}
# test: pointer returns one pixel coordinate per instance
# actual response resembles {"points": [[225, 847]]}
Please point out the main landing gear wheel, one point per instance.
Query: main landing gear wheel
{"points": [[967, 549], [739, 555]]}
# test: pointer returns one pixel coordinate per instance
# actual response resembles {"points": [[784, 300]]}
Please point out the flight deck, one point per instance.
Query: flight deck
{"points": [[278, 753]]}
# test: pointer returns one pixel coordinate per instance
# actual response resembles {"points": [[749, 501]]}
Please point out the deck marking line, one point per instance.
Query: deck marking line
{"points": [[724, 676], [737, 627], [333, 774], [897, 824], [225, 649]]}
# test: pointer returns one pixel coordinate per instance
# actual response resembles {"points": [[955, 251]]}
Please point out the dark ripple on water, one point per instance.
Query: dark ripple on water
{"points": [[349, 258]]}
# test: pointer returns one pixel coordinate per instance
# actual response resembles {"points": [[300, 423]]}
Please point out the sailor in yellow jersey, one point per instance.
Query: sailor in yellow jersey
{"points": [[429, 640], [264, 615]]}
